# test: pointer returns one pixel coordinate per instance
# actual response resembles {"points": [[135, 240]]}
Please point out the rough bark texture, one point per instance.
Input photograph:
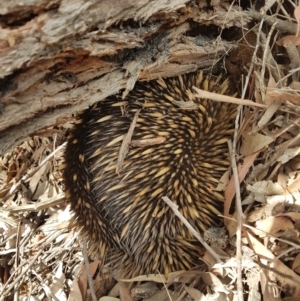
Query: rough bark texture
{"points": [[58, 57]]}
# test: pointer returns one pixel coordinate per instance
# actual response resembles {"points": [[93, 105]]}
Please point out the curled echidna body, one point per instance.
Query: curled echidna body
{"points": [[174, 151]]}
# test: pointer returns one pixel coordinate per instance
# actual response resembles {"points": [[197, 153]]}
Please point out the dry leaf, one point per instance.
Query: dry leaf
{"points": [[297, 17], [282, 180], [294, 216], [94, 266], [288, 40], [288, 154], [296, 264], [290, 235], [34, 181], [172, 277], [273, 105], [82, 281], [294, 185], [254, 143], [75, 294], [12, 235], [267, 289], [223, 181], [195, 294], [209, 259], [161, 295], [57, 286], [230, 190], [231, 225], [124, 292], [283, 96], [214, 282], [11, 172], [265, 211], [273, 225], [144, 290], [266, 188], [267, 258]]}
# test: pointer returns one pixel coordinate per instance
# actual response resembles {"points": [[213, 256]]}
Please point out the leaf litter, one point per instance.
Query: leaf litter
{"points": [[41, 254]]}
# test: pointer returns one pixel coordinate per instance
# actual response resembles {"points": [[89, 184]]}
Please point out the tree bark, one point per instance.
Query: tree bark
{"points": [[59, 57]]}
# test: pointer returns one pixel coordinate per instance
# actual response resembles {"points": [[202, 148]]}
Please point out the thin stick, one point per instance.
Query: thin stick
{"points": [[266, 52], [174, 207], [17, 287], [125, 144], [240, 214], [225, 98], [164, 284], [35, 207], [290, 72], [147, 142], [87, 267], [252, 61], [232, 149], [8, 288], [281, 25]]}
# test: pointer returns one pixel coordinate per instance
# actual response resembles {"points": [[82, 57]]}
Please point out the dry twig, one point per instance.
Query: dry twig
{"points": [[174, 207]]}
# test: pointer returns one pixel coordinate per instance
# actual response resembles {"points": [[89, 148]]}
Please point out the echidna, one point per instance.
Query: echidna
{"points": [[174, 151]]}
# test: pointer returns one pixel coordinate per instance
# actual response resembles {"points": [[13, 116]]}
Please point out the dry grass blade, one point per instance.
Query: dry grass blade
{"points": [[174, 207], [225, 98], [125, 144]]}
